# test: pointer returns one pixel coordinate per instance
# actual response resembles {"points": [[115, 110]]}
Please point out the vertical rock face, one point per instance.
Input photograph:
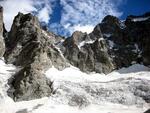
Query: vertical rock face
{"points": [[138, 28], [129, 40], [29, 44], [32, 49], [113, 44], [2, 44], [88, 52], [121, 48]]}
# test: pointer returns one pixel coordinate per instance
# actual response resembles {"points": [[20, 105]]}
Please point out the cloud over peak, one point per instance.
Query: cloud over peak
{"points": [[86, 13], [12, 7], [75, 14]]}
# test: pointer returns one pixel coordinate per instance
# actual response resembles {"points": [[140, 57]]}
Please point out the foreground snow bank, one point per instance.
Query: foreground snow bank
{"points": [[126, 87], [6, 103], [73, 74], [126, 90], [49, 106]]}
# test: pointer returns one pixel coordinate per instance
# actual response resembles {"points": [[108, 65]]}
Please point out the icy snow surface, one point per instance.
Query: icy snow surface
{"points": [[111, 44], [5, 73], [78, 92], [107, 35], [85, 42], [81, 44], [140, 19]]}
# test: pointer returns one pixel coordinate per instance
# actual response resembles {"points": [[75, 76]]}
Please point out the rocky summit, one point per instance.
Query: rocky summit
{"points": [[33, 50], [113, 44]]}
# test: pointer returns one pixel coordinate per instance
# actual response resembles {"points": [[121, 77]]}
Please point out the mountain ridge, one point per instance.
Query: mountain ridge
{"points": [[112, 45]]}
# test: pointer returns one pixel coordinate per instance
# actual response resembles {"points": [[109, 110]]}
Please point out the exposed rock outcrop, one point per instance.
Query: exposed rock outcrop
{"points": [[113, 44], [148, 111], [30, 83], [88, 52], [138, 28], [122, 49], [31, 48], [2, 43], [28, 43]]}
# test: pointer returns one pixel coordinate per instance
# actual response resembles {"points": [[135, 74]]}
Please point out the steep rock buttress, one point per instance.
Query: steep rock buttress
{"points": [[30, 48]]}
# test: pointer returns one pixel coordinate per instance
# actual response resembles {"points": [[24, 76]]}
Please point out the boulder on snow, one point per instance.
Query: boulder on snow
{"points": [[29, 83]]}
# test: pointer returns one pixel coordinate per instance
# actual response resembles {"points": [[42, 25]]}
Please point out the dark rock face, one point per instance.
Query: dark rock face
{"points": [[92, 52], [2, 43], [112, 44], [28, 43], [148, 111], [139, 29], [30, 83], [88, 53], [122, 49], [31, 48], [130, 39]]}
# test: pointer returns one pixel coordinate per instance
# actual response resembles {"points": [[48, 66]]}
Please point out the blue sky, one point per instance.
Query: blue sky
{"points": [[134, 7], [127, 7], [66, 16]]}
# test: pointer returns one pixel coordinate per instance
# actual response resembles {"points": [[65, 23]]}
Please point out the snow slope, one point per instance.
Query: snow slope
{"points": [[78, 92], [140, 19], [6, 103]]}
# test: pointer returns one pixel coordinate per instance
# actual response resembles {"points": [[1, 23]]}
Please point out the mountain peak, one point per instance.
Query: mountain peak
{"points": [[112, 45], [110, 19], [31, 48]]}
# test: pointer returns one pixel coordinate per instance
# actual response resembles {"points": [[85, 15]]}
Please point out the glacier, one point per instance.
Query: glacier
{"points": [[79, 92]]}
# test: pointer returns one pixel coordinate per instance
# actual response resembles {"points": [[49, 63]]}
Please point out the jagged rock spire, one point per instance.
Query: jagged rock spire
{"points": [[31, 48]]}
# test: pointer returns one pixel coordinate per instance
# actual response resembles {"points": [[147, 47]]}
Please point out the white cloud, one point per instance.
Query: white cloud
{"points": [[12, 7], [44, 9], [86, 28], [44, 15], [82, 15]]}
